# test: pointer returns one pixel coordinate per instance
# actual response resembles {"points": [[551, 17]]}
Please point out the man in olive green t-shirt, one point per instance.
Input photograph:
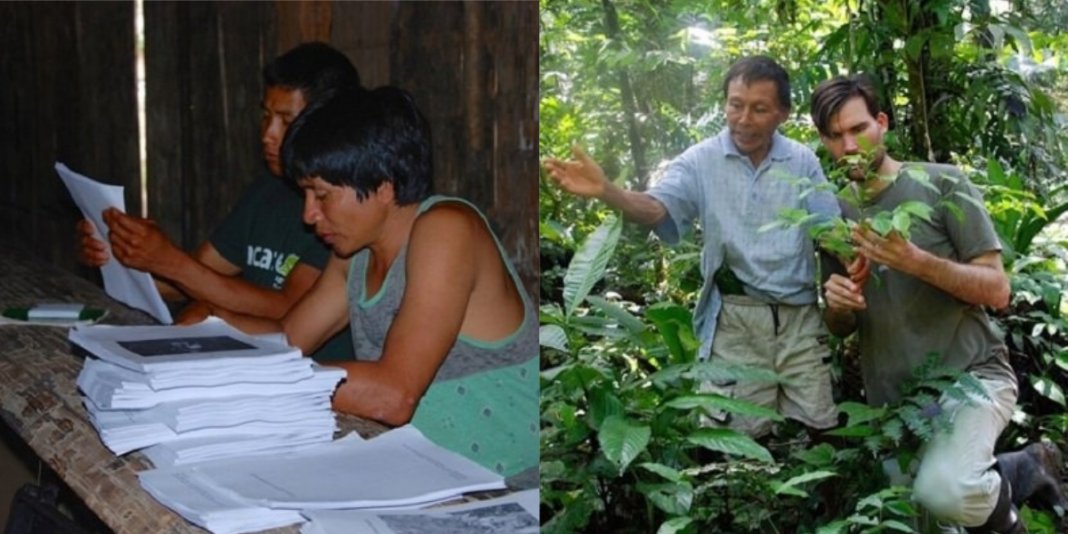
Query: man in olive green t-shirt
{"points": [[929, 299]]}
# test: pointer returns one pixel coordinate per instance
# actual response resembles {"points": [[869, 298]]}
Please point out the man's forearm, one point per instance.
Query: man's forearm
{"points": [[636, 207], [233, 293], [974, 283]]}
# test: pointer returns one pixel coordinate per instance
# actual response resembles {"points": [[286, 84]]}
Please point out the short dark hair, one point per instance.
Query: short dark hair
{"points": [[830, 95], [315, 69], [362, 139], [760, 68]]}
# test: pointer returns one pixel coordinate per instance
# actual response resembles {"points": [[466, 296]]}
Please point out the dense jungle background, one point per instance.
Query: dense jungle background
{"points": [[979, 83]]}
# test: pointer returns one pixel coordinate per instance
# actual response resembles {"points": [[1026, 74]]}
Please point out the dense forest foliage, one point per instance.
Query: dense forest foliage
{"points": [[982, 84]]}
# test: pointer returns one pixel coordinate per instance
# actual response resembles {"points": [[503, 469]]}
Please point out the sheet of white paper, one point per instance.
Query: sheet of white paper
{"points": [[399, 467], [183, 493], [134, 288], [210, 344], [515, 513]]}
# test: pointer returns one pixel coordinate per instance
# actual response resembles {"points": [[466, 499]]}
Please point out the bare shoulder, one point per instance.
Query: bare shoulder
{"points": [[450, 222]]}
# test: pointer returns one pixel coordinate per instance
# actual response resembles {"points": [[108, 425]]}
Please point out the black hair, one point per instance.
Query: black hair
{"points": [[316, 69], [760, 68], [830, 95], [361, 139]]}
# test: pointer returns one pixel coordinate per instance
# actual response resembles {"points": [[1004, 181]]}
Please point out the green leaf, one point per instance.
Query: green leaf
{"points": [[902, 508], [589, 263], [894, 524], [834, 527], [675, 499], [818, 456], [882, 223], [621, 441], [729, 441], [673, 475], [915, 208], [1048, 388], [901, 222], [712, 402], [861, 431], [786, 487], [673, 525], [613, 310], [675, 325], [604, 404], [552, 336], [914, 46], [860, 413]]}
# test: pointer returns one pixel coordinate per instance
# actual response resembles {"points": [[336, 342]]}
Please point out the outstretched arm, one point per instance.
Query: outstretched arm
{"points": [[205, 275], [583, 177]]}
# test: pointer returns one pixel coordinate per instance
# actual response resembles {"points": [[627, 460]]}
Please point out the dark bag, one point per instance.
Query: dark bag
{"points": [[34, 511]]}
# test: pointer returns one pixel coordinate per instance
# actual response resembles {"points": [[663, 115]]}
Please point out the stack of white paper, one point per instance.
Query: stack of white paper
{"points": [[396, 470], [201, 392]]}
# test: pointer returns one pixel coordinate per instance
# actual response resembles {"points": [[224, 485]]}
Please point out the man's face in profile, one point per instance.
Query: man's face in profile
{"points": [[280, 108]]}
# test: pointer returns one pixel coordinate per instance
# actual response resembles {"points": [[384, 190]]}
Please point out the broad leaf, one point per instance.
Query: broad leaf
{"points": [[675, 499], [671, 474], [552, 336], [712, 402], [675, 325], [588, 264], [621, 441], [729, 442], [1048, 388], [894, 524], [786, 487], [860, 413], [673, 525], [614, 311]]}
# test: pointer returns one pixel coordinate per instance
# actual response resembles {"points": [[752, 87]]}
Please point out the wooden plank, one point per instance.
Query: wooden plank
{"points": [[166, 105], [363, 31], [510, 42], [68, 96], [301, 22], [203, 110], [472, 68]]}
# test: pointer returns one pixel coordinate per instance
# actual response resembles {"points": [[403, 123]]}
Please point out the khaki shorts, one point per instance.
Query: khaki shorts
{"points": [[789, 340]]}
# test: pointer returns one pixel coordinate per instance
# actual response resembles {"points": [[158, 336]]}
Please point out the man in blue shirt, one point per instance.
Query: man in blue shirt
{"points": [[732, 185]]}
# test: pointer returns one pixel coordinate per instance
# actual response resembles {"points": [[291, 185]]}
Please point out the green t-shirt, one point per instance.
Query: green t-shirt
{"points": [[906, 318], [265, 236]]}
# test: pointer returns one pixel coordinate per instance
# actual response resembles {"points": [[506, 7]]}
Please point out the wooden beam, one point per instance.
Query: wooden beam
{"points": [[300, 22]]}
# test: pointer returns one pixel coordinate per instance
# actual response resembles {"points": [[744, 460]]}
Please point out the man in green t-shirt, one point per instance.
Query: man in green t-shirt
{"points": [[262, 258], [929, 299]]}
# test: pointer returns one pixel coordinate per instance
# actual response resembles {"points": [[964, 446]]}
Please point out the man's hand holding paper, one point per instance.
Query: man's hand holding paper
{"points": [[138, 243], [135, 288]]}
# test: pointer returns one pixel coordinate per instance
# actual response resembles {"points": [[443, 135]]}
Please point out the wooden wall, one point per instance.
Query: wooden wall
{"points": [[67, 92], [203, 63]]}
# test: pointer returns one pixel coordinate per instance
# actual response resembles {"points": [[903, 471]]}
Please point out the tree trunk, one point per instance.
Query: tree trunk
{"points": [[637, 149]]}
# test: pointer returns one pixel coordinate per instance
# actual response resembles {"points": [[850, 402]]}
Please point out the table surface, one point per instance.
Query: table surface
{"points": [[40, 401]]}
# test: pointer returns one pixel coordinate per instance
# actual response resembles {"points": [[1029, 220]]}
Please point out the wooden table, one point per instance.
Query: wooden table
{"points": [[40, 402]]}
